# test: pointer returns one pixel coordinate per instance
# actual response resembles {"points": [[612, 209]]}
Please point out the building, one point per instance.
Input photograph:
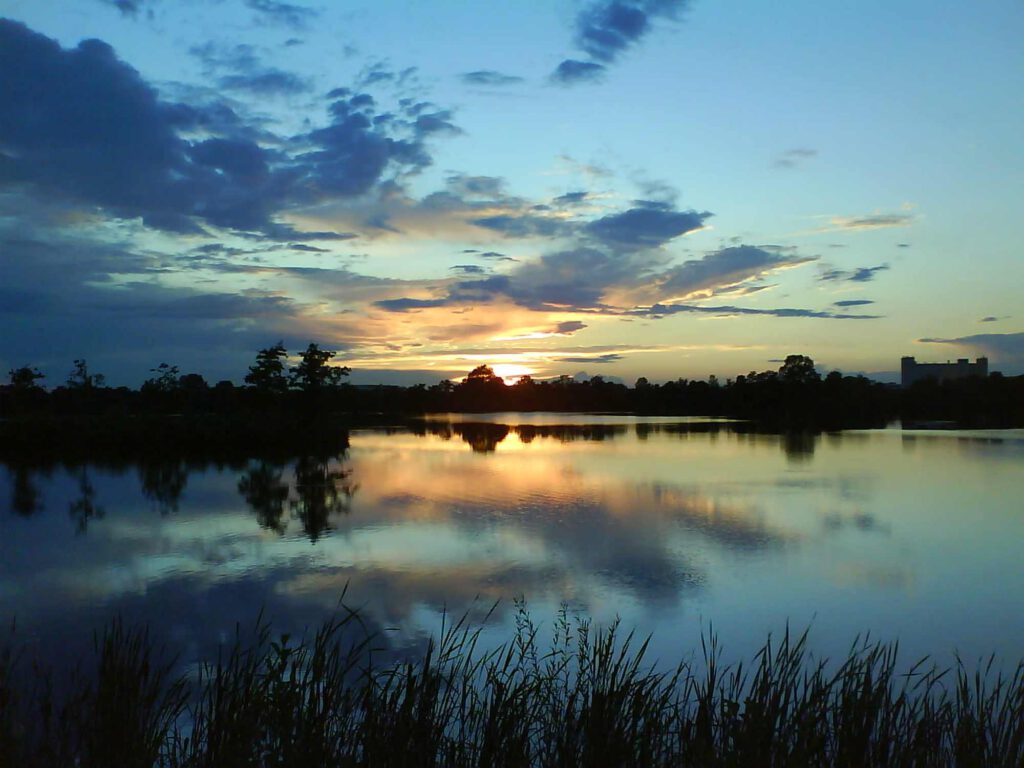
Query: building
{"points": [[912, 371]]}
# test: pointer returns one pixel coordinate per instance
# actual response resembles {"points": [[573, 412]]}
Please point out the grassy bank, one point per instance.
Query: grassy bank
{"points": [[583, 698]]}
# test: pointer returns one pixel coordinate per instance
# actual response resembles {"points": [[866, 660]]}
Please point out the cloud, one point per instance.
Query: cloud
{"points": [[873, 221], [129, 8], [993, 318], [569, 327], [495, 256], [469, 269], [852, 303], [649, 226], [489, 78], [725, 268], [405, 305], [664, 310], [570, 198], [611, 357], [792, 158], [1005, 348], [286, 14], [607, 28], [856, 275], [572, 71], [80, 125], [617, 281], [238, 68]]}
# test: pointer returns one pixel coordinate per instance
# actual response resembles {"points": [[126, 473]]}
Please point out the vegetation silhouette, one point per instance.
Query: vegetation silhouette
{"points": [[308, 401], [589, 698]]}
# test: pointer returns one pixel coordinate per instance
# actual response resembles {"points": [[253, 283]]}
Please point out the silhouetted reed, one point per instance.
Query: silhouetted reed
{"points": [[589, 697]]}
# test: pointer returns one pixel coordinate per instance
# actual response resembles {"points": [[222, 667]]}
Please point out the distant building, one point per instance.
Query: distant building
{"points": [[912, 370]]}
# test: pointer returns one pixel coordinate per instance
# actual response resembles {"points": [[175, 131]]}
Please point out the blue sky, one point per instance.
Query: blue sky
{"points": [[642, 187]]}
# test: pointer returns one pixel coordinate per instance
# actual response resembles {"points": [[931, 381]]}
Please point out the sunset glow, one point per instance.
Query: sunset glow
{"points": [[553, 192]]}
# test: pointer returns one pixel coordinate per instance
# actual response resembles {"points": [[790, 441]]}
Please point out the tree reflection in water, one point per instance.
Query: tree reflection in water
{"points": [[84, 508], [323, 490], [266, 493], [26, 499], [163, 482]]}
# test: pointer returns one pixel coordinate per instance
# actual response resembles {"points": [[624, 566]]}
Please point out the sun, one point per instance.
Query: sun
{"points": [[511, 372]]}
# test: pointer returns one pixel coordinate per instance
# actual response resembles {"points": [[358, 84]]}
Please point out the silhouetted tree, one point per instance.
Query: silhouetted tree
{"points": [[80, 378], [313, 372], [165, 379], [268, 373], [798, 369], [24, 379]]}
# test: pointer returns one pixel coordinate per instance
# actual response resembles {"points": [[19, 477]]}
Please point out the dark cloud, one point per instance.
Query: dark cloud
{"points": [[489, 78], [852, 303], [725, 268], [856, 275], [606, 28], [570, 198], [68, 307], [307, 248], [993, 318], [495, 256], [664, 310], [570, 327], [287, 14], [582, 278], [267, 82], [83, 126], [791, 158], [405, 305], [599, 359], [645, 227], [238, 68], [1005, 348], [129, 8], [523, 225], [572, 71], [469, 269]]}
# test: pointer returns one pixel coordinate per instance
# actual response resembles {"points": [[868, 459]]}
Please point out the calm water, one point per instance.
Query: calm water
{"points": [[673, 525]]}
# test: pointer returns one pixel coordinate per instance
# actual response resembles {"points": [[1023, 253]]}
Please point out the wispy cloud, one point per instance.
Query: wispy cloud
{"points": [[871, 221], [489, 78], [855, 275], [792, 158]]}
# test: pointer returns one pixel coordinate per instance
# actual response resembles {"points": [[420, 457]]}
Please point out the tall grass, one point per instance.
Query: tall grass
{"points": [[586, 697]]}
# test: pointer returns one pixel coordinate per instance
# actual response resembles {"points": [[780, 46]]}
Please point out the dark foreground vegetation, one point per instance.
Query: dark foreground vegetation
{"points": [[181, 411], [587, 698]]}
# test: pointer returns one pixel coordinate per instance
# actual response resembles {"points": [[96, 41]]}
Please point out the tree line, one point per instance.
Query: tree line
{"points": [[795, 395]]}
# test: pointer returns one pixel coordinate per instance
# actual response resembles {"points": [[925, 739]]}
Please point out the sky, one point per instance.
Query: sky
{"points": [[623, 188]]}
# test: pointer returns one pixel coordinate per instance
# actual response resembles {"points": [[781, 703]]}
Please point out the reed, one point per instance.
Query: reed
{"points": [[584, 697]]}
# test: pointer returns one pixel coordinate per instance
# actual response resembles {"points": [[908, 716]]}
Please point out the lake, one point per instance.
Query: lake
{"points": [[677, 526]]}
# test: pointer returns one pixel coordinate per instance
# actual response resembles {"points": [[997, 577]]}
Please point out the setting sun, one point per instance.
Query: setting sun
{"points": [[511, 372]]}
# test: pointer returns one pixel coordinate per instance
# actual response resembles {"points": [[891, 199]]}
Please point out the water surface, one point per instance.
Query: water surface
{"points": [[674, 525]]}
